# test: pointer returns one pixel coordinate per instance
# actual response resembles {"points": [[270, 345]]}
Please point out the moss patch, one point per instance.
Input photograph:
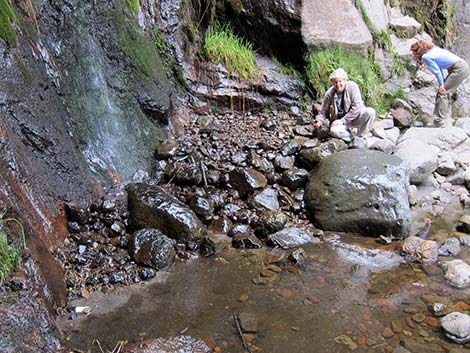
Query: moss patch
{"points": [[7, 16], [134, 5], [138, 46]]}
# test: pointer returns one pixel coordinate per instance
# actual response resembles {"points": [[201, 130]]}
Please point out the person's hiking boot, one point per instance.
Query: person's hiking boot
{"points": [[443, 122], [359, 142], [379, 132]]}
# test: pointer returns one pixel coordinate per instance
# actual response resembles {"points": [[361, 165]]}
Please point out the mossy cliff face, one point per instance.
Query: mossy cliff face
{"points": [[7, 16], [437, 18], [117, 75]]}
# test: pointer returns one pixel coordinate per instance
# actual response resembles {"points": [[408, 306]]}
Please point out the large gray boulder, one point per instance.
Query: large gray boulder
{"points": [[152, 207], [360, 191]]}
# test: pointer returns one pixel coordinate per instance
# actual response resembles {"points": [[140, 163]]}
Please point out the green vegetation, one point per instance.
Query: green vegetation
{"points": [[363, 71], [192, 32], [134, 5], [398, 66], [140, 47], [222, 46], [9, 258], [7, 16]]}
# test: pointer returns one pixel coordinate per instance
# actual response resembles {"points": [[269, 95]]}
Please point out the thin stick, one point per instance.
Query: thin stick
{"points": [[240, 332], [99, 345], [203, 170]]}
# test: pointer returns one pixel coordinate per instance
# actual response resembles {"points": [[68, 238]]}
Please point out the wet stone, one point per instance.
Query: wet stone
{"points": [[419, 317], [457, 327], [152, 207], [203, 207], [432, 270], [152, 248], [451, 247], [260, 163], [246, 181], [266, 199], [213, 244], [270, 222], [220, 225], [269, 124], [166, 149], [260, 281], [245, 241], [290, 148], [183, 344], [290, 237], [76, 214], [284, 162], [184, 172], [295, 178], [297, 256], [240, 229]]}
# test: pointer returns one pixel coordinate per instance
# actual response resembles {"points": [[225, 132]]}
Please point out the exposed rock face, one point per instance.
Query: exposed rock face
{"points": [[319, 28], [274, 25], [377, 13], [360, 191]]}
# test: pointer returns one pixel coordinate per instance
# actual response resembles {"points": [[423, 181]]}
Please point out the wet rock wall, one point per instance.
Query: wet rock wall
{"points": [[84, 99]]}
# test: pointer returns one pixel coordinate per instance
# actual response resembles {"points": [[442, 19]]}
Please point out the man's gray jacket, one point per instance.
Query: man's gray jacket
{"points": [[352, 101]]}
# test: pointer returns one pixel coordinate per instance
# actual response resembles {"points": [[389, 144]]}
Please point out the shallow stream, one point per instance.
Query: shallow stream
{"points": [[343, 298]]}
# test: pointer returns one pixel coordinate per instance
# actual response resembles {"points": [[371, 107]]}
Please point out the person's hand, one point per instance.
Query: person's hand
{"points": [[442, 89], [336, 122], [316, 124]]}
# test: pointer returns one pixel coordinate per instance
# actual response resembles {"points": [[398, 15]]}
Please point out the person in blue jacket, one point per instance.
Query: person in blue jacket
{"points": [[438, 60]]}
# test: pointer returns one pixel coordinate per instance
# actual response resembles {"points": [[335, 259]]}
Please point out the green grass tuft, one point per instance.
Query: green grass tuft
{"points": [[7, 16], [360, 69], [134, 5], [222, 46], [9, 258]]}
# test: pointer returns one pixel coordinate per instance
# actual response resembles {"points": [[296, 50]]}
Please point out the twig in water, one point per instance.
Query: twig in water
{"points": [[236, 318], [118, 347], [99, 345]]}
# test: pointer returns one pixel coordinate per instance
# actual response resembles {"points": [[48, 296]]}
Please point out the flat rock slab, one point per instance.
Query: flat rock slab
{"points": [[320, 28]]}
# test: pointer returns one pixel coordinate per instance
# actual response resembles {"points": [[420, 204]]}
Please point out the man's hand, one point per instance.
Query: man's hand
{"points": [[316, 124], [442, 89], [336, 123]]}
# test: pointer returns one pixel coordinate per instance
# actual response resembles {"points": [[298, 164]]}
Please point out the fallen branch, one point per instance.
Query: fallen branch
{"points": [[236, 318]]}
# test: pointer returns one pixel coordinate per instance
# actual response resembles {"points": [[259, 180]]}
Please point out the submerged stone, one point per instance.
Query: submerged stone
{"points": [[290, 237]]}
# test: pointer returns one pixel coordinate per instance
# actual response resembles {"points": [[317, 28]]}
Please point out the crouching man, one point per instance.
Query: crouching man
{"points": [[343, 110]]}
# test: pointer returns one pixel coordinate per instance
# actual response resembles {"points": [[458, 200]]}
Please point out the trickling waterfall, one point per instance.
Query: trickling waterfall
{"points": [[116, 136]]}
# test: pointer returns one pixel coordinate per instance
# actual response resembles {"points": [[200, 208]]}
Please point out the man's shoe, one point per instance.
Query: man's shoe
{"points": [[359, 142], [443, 122]]}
